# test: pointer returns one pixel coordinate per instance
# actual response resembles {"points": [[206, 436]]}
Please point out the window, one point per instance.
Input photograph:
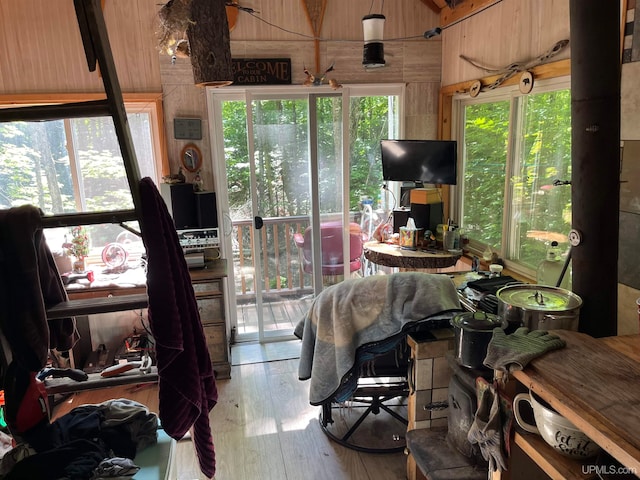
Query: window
{"points": [[516, 158], [75, 165]]}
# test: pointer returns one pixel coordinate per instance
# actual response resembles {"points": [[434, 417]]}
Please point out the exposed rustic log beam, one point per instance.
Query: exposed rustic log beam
{"points": [[209, 43]]}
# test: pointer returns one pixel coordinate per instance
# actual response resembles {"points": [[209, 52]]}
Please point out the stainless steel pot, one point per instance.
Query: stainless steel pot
{"points": [[473, 333], [539, 307]]}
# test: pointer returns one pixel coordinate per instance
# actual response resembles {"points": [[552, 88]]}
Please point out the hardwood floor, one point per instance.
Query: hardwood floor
{"points": [[264, 428]]}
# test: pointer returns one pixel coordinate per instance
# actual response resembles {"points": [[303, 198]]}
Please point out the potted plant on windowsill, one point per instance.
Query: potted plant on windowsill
{"points": [[78, 247]]}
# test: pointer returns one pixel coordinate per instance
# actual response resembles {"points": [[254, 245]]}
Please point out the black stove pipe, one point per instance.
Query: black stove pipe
{"points": [[595, 179]]}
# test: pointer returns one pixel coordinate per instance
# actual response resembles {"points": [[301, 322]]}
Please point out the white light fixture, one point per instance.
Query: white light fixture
{"points": [[373, 55]]}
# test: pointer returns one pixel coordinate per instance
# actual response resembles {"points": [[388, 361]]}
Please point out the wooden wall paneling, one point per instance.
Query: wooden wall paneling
{"points": [[462, 10], [630, 177], [349, 69], [403, 18], [43, 51], [421, 98], [507, 32], [131, 28], [630, 107], [284, 14], [422, 126], [628, 268], [342, 20], [422, 61], [181, 98], [421, 110]]}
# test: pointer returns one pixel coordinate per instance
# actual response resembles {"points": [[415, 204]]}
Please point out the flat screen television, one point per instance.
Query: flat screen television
{"points": [[420, 161]]}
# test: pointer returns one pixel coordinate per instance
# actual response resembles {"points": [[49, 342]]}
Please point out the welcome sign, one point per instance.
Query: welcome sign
{"points": [[261, 71]]}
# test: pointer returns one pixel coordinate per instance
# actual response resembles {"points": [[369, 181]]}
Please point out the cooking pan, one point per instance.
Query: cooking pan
{"points": [[473, 333], [539, 307]]}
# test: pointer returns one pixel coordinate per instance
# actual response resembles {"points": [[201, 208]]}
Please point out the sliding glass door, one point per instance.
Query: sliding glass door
{"points": [[282, 165]]}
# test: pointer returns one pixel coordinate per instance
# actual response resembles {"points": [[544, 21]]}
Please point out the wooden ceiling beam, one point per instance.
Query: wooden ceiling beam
{"points": [[432, 5], [462, 10]]}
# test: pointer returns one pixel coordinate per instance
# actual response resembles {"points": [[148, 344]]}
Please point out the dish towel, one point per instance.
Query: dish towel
{"points": [[187, 388]]}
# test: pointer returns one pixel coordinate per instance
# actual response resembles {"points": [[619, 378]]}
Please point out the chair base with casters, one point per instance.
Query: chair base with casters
{"points": [[374, 418], [360, 425]]}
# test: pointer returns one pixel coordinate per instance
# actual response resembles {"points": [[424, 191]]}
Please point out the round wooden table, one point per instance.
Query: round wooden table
{"points": [[390, 255]]}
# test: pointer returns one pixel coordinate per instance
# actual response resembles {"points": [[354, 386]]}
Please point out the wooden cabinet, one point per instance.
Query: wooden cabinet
{"points": [[207, 285], [208, 289]]}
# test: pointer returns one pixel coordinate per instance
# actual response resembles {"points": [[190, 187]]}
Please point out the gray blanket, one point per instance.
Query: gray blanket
{"points": [[348, 318]]}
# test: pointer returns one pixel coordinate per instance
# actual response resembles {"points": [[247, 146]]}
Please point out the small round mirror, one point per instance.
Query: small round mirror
{"points": [[191, 158]]}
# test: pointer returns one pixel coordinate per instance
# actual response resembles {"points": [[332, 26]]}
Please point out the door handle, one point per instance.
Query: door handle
{"points": [[258, 222]]}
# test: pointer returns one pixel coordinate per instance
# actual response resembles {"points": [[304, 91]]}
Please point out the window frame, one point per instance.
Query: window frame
{"points": [[150, 103], [511, 93], [135, 103]]}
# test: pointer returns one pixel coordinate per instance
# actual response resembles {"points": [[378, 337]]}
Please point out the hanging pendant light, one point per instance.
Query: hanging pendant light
{"points": [[373, 55]]}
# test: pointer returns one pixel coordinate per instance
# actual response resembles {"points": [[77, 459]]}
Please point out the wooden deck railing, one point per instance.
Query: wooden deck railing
{"points": [[281, 265]]}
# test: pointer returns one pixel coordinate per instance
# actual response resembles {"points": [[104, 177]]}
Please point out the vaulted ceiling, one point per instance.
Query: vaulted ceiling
{"points": [[453, 10]]}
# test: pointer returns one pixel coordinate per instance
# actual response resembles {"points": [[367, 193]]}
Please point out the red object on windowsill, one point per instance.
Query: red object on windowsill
{"points": [[68, 278]]}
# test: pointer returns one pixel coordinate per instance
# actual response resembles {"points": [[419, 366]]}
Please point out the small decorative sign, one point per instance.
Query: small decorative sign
{"points": [[261, 71], [187, 129]]}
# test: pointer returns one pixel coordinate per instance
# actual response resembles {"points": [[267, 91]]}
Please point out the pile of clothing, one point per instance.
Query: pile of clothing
{"points": [[89, 442]]}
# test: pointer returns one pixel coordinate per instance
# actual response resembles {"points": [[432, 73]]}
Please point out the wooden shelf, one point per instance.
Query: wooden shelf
{"points": [[66, 385], [549, 460], [588, 382], [90, 306]]}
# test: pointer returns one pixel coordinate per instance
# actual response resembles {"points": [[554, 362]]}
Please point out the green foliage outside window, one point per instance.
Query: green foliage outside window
{"points": [[529, 137], [485, 145]]}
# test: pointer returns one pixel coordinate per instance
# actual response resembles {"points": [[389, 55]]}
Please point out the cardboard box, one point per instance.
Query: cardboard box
{"points": [[425, 196]]}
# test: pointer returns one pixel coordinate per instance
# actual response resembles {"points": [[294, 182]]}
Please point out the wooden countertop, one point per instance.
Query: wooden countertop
{"points": [[595, 383]]}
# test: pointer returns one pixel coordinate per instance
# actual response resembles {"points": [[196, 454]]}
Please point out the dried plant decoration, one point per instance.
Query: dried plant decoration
{"points": [[173, 20]]}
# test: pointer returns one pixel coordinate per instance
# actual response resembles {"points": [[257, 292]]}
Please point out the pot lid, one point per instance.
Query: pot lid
{"points": [[477, 321], [539, 297]]}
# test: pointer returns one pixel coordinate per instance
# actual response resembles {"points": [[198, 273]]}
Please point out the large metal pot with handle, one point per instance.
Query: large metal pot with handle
{"points": [[539, 307], [473, 333]]}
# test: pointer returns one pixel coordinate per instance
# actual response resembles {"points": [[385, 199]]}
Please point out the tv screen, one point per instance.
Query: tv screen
{"points": [[422, 161]]}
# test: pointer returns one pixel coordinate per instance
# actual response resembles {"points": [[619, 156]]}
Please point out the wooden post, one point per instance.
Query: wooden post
{"points": [[209, 43]]}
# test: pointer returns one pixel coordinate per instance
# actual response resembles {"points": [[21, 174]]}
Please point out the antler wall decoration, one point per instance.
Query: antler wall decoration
{"points": [[316, 80]]}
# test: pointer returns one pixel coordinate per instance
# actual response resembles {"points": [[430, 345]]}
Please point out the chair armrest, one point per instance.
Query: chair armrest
{"points": [[298, 238]]}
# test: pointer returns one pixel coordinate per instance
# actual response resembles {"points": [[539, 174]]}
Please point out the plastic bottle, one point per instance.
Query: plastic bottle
{"points": [[551, 267]]}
